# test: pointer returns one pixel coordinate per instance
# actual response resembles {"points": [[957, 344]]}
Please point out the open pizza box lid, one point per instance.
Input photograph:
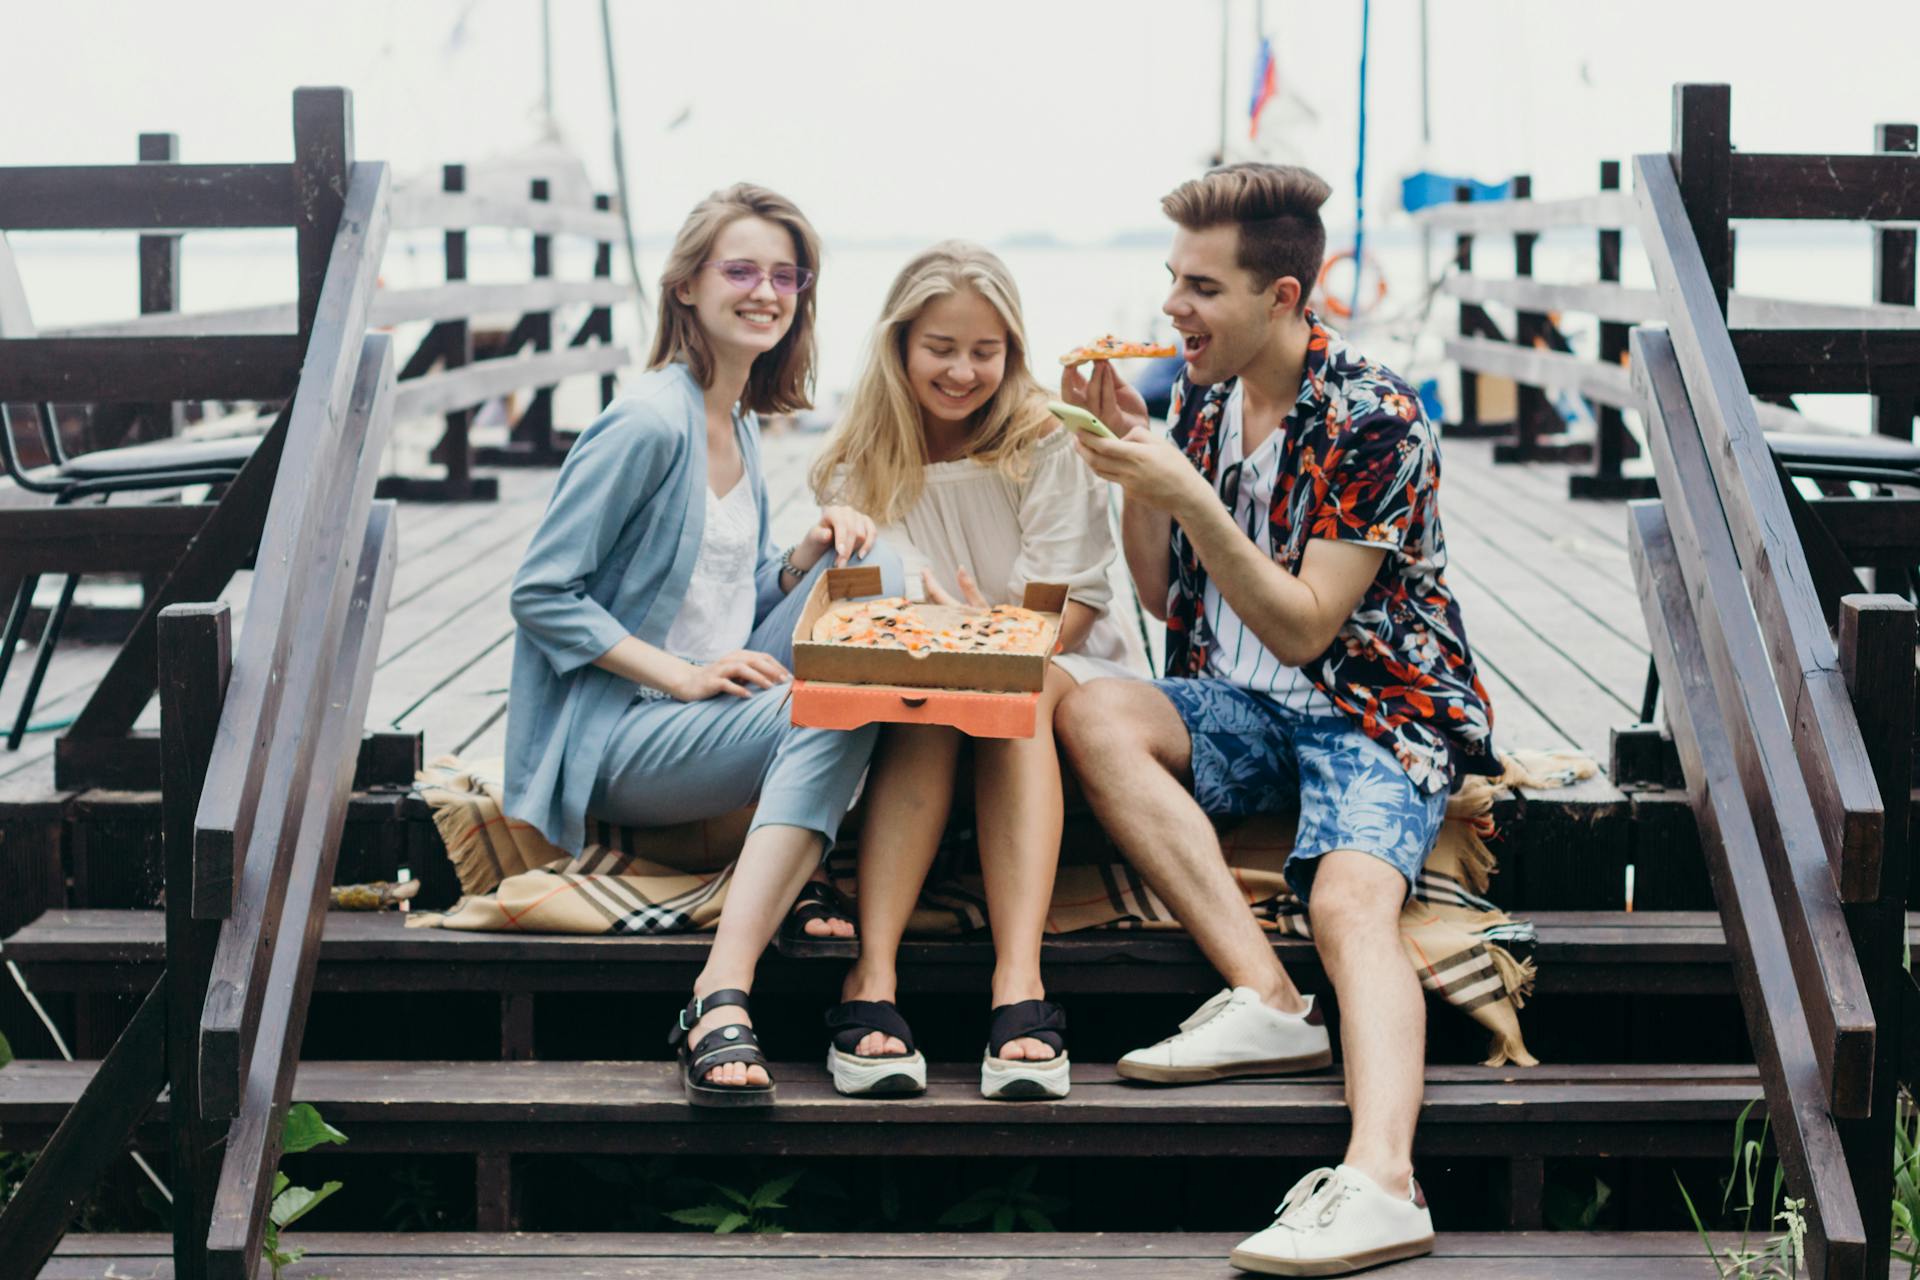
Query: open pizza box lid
{"points": [[985, 695], [979, 672]]}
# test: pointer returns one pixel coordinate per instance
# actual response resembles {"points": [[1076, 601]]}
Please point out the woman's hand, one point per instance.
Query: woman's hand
{"points": [[841, 530], [731, 674], [968, 589]]}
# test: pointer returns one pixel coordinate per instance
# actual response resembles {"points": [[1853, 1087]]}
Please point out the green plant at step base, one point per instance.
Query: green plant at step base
{"points": [[1906, 1183], [1782, 1255], [742, 1211], [13, 1171], [6, 1052], [1565, 1210], [417, 1203], [641, 1189], [303, 1130], [1007, 1205]]}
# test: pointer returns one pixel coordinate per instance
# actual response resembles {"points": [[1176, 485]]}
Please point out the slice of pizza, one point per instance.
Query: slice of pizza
{"points": [[1112, 348]]}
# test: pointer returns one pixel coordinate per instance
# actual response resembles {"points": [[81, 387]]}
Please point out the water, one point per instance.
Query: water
{"points": [[1070, 293]]}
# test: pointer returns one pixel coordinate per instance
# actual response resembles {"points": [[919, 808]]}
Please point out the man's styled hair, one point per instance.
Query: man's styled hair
{"points": [[1276, 207]]}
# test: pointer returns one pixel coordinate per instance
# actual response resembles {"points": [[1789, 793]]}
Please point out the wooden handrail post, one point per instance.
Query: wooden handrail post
{"points": [[322, 159], [1470, 326], [1702, 161], [603, 318], [159, 289], [196, 657], [455, 450], [1532, 406], [1876, 636], [1615, 445], [535, 427], [1894, 251]]}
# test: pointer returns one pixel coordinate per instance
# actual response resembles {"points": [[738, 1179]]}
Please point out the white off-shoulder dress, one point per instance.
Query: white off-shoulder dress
{"points": [[1050, 525]]}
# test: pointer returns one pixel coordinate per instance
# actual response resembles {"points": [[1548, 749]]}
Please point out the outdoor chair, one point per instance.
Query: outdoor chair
{"points": [[94, 476], [1878, 460]]}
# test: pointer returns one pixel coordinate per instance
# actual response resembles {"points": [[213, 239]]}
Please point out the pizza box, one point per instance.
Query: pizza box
{"points": [[989, 695]]}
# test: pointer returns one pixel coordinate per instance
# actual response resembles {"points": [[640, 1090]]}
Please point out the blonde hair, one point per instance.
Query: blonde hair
{"points": [[1276, 207], [781, 380], [873, 459]]}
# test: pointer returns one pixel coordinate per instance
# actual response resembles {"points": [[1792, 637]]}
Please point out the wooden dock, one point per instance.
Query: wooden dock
{"points": [[1543, 580]]}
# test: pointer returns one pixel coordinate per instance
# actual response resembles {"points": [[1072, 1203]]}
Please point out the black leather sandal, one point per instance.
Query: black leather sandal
{"points": [[735, 1042], [1040, 1020], [883, 1073], [818, 900]]}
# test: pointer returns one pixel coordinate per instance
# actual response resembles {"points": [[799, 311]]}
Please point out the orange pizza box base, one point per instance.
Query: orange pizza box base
{"points": [[819, 705], [972, 672]]}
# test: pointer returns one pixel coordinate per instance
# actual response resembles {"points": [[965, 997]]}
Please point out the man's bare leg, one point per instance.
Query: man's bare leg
{"points": [[1132, 754], [1354, 907]]}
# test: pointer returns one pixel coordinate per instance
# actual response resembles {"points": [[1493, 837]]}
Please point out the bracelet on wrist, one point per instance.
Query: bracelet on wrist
{"points": [[788, 566]]}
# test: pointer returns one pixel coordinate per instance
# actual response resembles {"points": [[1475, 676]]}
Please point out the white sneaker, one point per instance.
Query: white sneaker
{"points": [[1335, 1221], [1234, 1034]]}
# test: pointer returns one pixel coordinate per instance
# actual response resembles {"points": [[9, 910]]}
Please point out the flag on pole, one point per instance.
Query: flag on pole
{"points": [[1263, 86]]}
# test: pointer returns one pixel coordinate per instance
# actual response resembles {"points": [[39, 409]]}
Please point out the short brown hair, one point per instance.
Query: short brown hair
{"points": [[781, 380], [1276, 207]]}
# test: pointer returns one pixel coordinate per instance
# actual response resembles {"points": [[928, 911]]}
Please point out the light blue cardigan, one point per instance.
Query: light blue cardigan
{"points": [[612, 558]]}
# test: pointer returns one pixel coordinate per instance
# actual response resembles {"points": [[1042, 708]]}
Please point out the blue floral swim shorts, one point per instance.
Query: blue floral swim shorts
{"points": [[1253, 755]]}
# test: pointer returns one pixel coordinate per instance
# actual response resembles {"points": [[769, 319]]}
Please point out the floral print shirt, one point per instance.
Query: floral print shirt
{"points": [[1359, 463]]}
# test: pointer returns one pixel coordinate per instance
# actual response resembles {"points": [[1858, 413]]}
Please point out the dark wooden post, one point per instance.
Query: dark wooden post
{"points": [[1473, 324], [1876, 636], [536, 425], [602, 319], [1532, 407], [455, 450], [322, 160], [196, 656], [1893, 281], [1702, 161], [159, 288], [1615, 444], [160, 1046]]}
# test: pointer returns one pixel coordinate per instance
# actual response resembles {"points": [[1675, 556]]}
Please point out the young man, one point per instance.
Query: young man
{"points": [[1288, 533]]}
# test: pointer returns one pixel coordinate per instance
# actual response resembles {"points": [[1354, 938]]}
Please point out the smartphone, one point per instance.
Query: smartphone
{"points": [[1079, 419]]}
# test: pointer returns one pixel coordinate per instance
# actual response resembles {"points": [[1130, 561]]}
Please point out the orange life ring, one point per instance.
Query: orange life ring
{"points": [[1333, 305]]}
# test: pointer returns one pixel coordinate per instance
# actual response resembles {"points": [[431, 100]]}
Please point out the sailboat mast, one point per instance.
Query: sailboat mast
{"points": [[1226, 6], [546, 62]]}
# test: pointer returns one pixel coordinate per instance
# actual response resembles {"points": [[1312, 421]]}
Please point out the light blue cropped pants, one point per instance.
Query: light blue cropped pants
{"points": [[670, 761]]}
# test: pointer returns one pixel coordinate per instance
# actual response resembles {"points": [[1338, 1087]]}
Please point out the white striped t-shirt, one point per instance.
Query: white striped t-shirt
{"points": [[1237, 656]]}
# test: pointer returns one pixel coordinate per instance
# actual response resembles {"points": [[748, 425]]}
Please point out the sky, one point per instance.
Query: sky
{"points": [[915, 120]]}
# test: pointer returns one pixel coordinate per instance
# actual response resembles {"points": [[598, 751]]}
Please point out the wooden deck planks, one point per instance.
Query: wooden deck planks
{"points": [[1544, 582], [973, 1256]]}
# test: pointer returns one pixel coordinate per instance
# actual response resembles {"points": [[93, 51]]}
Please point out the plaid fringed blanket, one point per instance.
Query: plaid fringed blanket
{"points": [[674, 879]]}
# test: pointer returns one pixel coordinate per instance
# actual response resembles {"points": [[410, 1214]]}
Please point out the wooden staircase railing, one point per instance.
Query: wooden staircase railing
{"points": [[1787, 346], [259, 751], [1797, 747]]}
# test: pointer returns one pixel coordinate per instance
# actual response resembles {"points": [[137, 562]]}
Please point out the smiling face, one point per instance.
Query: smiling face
{"points": [[956, 356], [743, 323], [1224, 318]]}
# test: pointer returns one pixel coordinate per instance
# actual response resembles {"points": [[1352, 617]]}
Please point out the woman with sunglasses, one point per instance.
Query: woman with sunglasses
{"points": [[656, 616]]}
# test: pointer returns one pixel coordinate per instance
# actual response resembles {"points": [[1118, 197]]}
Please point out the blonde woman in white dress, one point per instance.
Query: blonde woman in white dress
{"points": [[947, 442]]}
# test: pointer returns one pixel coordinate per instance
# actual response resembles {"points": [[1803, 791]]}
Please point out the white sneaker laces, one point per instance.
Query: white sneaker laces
{"points": [[1204, 1014], [1309, 1206]]}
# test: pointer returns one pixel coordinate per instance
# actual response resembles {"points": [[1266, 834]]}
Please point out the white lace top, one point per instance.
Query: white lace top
{"points": [[1052, 525], [717, 616]]}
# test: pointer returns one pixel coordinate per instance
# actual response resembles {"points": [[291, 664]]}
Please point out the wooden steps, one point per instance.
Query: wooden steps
{"points": [[498, 1108], [976, 1256], [1664, 952]]}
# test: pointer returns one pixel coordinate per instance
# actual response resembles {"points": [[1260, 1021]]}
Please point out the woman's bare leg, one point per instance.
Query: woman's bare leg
{"points": [[1019, 812], [774, 862], [909, 794]]}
